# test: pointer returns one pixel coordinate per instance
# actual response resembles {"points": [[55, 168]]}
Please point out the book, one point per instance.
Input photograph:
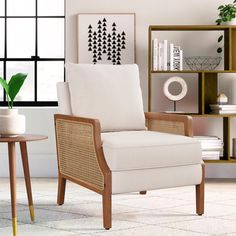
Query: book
{"points": [[171, 56], [181, 59], [211, 155], [206, 137], [155, 54], [220, 112], [165, 53], [211, 146], [176, 58], [222, 107], [160, 56]]}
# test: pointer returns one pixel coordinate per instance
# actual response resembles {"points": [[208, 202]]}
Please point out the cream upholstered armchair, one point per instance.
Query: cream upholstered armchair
{"points": [[106, 143]]}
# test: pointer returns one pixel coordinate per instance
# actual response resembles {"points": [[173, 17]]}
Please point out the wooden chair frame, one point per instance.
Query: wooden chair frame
{"points": [[81, 159]]}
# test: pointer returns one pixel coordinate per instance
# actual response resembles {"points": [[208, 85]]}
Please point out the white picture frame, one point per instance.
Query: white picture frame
{"points": [[106, 38]]}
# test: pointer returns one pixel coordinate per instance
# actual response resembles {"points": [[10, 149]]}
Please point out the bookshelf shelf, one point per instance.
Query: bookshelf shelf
{"points": [[221, 161], [207, 80], [193, 71], [207, 115]]}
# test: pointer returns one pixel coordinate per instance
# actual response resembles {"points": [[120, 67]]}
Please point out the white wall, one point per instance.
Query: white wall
{"points": [[42, 155]]}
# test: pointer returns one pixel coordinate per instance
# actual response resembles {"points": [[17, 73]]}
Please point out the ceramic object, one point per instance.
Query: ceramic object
{"points": [[181, 82], [222, 98], [11, 123], [232, 22]]}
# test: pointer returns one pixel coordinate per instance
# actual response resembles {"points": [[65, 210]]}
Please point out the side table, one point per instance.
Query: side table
{"points": [[22, 140]]}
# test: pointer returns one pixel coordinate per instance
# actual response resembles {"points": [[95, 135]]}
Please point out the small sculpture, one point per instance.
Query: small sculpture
{"points": [[222, 98], [181, 95]]}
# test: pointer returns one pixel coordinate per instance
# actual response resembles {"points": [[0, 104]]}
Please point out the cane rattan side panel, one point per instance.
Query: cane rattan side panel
{"points": [[166, 126], [76, 152]]}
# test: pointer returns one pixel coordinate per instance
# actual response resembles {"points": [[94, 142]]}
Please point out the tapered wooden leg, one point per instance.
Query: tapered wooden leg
{"points": [[107, 204], [200, 194], [143, 192], [106, 201], [25, 163], [61, 190], [12, 172]]}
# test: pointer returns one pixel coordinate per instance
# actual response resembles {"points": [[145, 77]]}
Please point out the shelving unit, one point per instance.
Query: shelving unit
{"points": [[207, 80]]}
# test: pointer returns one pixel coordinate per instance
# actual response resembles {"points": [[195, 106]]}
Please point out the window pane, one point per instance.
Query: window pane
{"points": [[27, 91], [2, 7], [21, 8], [51, 38], [51, 7], [49, 73], [1, 75], [2, 35], [20, 38]]}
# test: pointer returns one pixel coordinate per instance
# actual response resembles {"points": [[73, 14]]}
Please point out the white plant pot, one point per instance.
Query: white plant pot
{"points": [[232, 22], [11, 123]]}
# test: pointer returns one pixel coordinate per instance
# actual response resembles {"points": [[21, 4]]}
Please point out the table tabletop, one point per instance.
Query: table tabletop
{"points": [[23, 138]]}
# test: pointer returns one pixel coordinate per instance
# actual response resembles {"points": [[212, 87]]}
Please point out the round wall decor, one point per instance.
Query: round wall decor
{"points": [[183, 85]]}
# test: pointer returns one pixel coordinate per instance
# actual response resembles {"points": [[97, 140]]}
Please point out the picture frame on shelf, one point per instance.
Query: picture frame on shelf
{"points": [[106, 38]]}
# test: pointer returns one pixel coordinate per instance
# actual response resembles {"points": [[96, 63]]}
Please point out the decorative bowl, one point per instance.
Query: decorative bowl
{"points": [[202, 62]]}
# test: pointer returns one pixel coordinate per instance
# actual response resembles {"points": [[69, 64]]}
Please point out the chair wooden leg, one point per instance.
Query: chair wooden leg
{"points": [[200, 194], [61, 190], [143, 192], [106, 202]]}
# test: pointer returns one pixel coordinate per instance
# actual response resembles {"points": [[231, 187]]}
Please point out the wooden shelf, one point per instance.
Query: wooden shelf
{"points": [[207, 79], [192, 71], [212, 115], [190, 27], [204, 115], [221, 161]]}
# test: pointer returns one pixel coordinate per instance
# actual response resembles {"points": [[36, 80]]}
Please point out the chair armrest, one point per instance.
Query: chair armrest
{"points": [[169, 123], [79, 151]]}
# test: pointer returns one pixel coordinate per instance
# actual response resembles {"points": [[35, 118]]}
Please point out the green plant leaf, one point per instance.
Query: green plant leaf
{"points": [[220, 7], [4, 85], [220, 38], [15, 84], [218, 21], [219, 50]]}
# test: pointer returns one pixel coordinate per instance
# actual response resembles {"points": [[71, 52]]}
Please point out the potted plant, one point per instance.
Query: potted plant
{"points": [[227, 14], [11, 123]]}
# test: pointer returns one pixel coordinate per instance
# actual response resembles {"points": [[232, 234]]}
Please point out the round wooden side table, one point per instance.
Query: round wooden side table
{"points": [[22, 140]]}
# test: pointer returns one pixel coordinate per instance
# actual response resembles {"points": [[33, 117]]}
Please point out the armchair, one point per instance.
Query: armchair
{"points": [[128, 151]]}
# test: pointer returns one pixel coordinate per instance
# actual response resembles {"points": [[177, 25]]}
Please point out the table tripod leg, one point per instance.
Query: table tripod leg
{"points": [[12, 171], [24, 156]]}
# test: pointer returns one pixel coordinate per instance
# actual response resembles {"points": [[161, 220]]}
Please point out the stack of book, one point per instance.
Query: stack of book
{"points": [[212, 146], [166, 57], [223, 109]]}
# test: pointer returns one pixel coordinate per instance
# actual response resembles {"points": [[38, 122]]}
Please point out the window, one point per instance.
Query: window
{"points": [[32, 41]]}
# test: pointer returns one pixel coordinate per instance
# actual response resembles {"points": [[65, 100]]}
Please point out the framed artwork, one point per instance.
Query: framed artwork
{"points": [[106, 38]]}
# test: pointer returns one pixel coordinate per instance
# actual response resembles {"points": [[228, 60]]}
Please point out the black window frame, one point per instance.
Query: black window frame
{"points": [[34, 58]]}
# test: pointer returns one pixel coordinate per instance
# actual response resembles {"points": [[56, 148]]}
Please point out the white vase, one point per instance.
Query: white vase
{"points": [[11, 123], [232, 22]]}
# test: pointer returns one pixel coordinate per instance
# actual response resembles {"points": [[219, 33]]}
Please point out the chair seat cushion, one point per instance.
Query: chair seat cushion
{"points": [[134, 150]]}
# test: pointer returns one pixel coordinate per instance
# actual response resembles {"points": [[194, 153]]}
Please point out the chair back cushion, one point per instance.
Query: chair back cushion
{"points": [[110, 93], [63, 96]]}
